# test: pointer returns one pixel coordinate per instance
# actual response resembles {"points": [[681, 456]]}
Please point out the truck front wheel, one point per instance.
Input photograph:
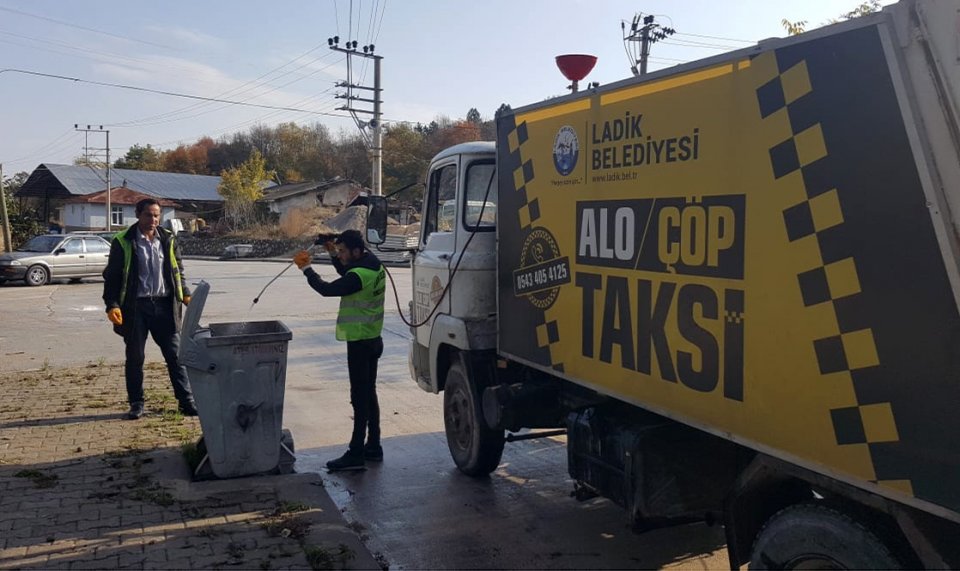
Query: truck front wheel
{"points": [[475, 448], [813, 536]]}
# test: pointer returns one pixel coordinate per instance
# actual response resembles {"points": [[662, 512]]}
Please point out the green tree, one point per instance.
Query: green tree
{"points": [[241, 187], [800, 26], [24, 221], [141, 158], [404, 159]]}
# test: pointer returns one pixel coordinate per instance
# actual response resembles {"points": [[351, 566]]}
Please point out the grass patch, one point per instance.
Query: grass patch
{"points": [[39, 479], [323, 558], [154, 494], [291, 507], [293, 527]]}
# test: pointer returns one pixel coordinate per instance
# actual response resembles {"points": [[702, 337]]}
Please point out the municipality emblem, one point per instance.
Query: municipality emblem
{"points": [[566, 149]]}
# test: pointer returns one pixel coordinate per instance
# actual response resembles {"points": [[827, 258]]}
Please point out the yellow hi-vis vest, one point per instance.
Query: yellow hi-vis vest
{"points": [[128, 259], [361, 313]]}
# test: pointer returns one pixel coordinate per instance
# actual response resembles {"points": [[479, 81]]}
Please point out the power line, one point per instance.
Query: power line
{"points": [[162, 92], [84, 28], [254, 83], [716, 38]]}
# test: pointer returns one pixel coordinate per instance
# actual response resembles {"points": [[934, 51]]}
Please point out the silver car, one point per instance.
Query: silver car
{"points": [[55, 256]]}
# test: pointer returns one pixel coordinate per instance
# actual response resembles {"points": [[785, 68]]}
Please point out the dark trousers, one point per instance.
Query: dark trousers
{"points": [[362, 359], [154, 316]]}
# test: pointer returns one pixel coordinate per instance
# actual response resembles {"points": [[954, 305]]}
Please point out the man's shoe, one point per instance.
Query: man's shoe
{"points": [[349, 461], [373, 453], [136, 411], [188, 408]]}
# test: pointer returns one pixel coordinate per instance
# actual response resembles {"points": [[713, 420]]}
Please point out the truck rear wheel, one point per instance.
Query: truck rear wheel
{"points": [[475, 448], [812, 536]]}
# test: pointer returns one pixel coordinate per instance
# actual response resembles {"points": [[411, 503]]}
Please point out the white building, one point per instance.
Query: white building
{"points": [[88, 212]]}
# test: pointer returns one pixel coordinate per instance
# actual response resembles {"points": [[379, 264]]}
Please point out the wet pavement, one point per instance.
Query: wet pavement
{"points": [[415, 510]]}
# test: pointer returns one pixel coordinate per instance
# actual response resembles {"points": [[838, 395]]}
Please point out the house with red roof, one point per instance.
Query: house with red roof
{"points": [[88, 211]]}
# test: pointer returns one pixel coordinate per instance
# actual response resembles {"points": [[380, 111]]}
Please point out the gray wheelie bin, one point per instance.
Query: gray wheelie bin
{"points": [[237, 372]]}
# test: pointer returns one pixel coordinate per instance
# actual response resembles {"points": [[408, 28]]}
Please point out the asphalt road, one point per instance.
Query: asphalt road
{"points": [[415, 509]]}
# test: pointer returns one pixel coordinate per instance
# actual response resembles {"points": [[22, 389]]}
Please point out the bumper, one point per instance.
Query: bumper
{"points": [[12, 272]]}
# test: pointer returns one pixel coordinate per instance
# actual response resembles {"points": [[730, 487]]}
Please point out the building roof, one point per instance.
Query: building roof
{"points": [[119, 195], [65, 181], [284, 191]]}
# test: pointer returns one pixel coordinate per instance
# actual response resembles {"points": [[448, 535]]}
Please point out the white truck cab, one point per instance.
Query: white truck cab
{"points": [[458, 235]]}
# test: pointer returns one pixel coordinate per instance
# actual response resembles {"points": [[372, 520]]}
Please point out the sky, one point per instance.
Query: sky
{"points": [[440, 58]]}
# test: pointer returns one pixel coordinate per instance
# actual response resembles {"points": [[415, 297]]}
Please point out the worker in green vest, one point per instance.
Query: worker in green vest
{"points": [[361, 289], [144, 293]]}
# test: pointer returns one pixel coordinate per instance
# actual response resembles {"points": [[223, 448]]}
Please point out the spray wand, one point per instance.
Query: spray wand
{"points": [[321, 240]]}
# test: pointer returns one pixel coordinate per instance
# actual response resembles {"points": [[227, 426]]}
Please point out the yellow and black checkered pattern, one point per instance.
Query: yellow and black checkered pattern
{"points": [[851, 351], [548, 334], [529, 211]]}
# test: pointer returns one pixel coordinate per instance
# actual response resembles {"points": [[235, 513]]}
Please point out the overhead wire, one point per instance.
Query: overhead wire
{"points": [[237, 90], [162, 92], [94, 30]]}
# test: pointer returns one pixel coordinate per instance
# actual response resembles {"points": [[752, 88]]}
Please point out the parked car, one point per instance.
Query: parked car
{"points": [[55, 256]]}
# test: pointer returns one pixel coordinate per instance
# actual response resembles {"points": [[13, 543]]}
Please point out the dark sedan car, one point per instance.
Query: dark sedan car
{"points": [[55, 256]]}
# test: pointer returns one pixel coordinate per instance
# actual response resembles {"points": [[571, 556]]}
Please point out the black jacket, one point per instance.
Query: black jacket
{"points": [[347, 284], [113, 277]]}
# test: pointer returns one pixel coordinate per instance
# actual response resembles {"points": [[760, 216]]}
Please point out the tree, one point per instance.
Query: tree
{"points": [[473, 116], [140, 158], [24, 221], [404, 160], [241, 187], [800, 26]]}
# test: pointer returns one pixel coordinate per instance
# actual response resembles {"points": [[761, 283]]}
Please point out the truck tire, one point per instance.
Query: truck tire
{"points": [[814, 536], [476, 449]]}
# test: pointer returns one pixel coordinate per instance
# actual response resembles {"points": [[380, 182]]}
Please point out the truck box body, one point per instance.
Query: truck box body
{"points": [[759, 245]]}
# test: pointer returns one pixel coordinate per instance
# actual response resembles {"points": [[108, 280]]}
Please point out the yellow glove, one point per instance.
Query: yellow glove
{"points": [[302, 259], [115, 316], [186, 300]]}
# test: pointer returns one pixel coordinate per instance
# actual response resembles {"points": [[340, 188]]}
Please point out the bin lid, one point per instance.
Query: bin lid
{"points": [[191, 320]]}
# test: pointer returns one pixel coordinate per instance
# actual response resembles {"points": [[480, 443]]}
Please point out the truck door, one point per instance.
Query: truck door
{"points": [[437, 244], [473, 293]]}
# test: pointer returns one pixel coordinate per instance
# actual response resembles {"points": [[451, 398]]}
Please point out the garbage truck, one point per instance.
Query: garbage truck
{"points": [[733, 284]]}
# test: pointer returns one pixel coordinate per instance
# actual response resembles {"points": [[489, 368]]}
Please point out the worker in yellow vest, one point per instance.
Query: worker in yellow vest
{"points": [[144, 293], [361, 288]]}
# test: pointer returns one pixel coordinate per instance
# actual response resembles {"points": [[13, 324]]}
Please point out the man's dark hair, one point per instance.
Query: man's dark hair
{"points": [[352, 239], [144, 203]]}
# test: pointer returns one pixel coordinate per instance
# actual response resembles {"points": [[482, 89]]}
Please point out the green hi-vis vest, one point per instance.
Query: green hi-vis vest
{"points": [[361, 313], [128, 259]]}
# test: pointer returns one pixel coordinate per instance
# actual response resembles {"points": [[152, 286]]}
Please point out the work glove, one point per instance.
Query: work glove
{"points": [[115, 316], [186, 300], [302, 259]]}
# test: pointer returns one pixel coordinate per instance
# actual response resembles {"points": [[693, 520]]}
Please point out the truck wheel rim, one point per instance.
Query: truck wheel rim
{"points": [[459, 420]]}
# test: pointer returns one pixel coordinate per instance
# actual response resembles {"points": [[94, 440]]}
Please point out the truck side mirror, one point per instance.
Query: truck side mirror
{"points": [[376, 220]]}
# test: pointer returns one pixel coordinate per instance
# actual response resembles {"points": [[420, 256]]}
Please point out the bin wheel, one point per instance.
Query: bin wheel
{"points": [[204, 471], [287, 457]]}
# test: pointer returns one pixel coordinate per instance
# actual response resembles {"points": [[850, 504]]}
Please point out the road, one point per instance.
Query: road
{"points": [[415, 509]]}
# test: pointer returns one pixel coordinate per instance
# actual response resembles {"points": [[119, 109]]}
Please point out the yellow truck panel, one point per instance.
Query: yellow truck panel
{"points": [[746, 247]]}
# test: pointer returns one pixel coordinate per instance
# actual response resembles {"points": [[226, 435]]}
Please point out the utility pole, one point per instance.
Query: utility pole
{"points": [[374, 142], [646, 35], [109, 220], [7, 238]]}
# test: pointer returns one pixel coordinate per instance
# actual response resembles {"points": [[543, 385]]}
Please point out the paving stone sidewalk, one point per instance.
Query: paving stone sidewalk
{"points": [[80, 488]]}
